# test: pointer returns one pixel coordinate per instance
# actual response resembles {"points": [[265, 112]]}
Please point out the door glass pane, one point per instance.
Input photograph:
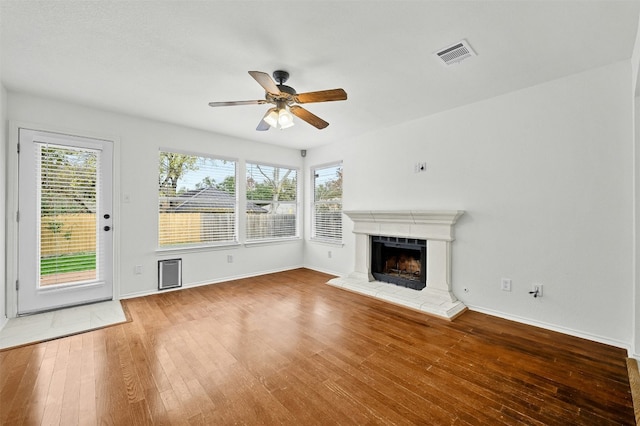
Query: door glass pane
{"points": [[68, 223]]}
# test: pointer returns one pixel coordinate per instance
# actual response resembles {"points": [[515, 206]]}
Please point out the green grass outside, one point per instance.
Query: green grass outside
{"points": [[74, 262]]}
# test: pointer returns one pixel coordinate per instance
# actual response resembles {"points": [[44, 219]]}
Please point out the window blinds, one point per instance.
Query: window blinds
{"points": [[68, 195], [197, 200], [327, 203], [272, 209]]}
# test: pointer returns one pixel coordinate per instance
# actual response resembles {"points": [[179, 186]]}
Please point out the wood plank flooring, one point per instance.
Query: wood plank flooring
{"points": [[287, 349]]}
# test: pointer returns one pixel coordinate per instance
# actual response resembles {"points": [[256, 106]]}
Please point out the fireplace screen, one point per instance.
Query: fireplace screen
{"points": [[400, 261]]}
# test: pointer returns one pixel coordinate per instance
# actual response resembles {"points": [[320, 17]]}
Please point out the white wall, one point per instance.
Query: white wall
{"points": [[545, 177], [3, 198], [635, 77], [3, 202], [139, 141], [636, 315]]}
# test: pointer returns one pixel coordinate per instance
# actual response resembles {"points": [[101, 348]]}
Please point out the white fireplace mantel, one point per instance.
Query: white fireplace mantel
{"points": [[437, 228]]}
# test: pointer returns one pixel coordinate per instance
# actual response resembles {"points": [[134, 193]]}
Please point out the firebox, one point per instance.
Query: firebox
{"points": [[399, 261]]}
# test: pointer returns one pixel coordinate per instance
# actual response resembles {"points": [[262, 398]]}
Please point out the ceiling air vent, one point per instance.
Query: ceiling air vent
{"points": [[455, 53]]}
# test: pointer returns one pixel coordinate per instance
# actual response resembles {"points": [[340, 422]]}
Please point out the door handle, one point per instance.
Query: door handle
{"points": [[107, 228]]}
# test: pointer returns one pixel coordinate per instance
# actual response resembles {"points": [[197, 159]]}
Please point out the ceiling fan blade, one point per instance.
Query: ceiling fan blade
{"points": [[310, 118], [265, 81], [234, 103], [321, 96], [262, 126]]}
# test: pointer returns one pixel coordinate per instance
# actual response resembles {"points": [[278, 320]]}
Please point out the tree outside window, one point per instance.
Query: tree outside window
{"points": [[197, 200], [327, 203], [271, 202]]}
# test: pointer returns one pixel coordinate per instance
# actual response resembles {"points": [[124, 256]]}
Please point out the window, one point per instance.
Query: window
{"points": [[327, 203], [197, 201], [69, 179], [272, 207]]}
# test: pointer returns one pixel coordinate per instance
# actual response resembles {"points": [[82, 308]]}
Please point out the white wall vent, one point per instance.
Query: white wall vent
{"points": [[455, 53], [169, 273]]}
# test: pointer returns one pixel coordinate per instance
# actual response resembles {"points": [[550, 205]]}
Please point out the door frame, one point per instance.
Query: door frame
{"points": [[12, 205]]}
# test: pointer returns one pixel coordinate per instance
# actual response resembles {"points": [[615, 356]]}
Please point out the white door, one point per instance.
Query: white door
{"points": [[65, 243]]}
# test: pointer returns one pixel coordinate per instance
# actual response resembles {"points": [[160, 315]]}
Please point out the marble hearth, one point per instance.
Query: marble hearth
{"points": [[436, 227]]}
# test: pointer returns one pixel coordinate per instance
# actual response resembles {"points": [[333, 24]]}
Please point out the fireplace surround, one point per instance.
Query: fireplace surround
{"points": [[436, 228]]}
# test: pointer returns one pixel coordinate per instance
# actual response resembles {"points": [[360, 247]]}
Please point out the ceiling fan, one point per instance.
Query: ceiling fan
{"points": [[285, 99]]}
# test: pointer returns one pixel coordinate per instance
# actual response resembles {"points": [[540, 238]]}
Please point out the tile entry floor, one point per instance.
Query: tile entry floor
{"points": [[63, 322]]}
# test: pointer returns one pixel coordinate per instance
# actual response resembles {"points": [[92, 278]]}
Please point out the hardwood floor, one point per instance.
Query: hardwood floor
{"points": [[287, 349]]}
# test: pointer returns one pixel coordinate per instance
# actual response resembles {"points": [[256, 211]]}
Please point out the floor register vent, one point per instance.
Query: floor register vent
{"points": [[169, 273]]}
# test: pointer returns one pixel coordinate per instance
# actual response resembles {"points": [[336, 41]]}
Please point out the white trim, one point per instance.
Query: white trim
{"points": [[280, 166], [547, 326], [12, 203], [197, 154], [324, 271], [12, 225], [326, 165], [271, 241]]}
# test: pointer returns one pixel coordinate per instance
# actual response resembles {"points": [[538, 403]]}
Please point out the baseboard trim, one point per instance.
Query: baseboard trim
{"points": [[324, 271], [207, 282], [551, 327]]}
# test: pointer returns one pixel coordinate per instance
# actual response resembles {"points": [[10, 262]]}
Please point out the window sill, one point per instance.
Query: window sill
{"points": [[195, 249], [258, 243], [326, 242]]}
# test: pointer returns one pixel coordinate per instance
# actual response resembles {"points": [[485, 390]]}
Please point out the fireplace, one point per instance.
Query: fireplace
{"points": [[389, 244], [399, 261]]}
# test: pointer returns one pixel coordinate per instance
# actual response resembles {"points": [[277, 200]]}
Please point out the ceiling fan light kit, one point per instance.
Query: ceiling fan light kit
{"points": [[285, 119], [285, 99], [271, 117]]}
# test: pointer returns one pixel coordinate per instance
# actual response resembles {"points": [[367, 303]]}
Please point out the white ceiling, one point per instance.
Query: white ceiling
{"points": [[166, 60]]}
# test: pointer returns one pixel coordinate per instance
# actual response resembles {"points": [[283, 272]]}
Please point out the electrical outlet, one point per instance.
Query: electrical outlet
{"points": [[329, 254], [229, 258], [420, 167], [536, 290], [137, 269], [505, 284]]}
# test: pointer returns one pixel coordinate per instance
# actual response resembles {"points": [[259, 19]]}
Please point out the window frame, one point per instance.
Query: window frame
{"points": [[234, 241], [314, 237], [296, 204]]}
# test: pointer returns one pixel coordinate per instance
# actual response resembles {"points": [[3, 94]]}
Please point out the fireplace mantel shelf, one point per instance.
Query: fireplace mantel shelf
{"points": [[448, 217], [424, 224], [434, 226]]}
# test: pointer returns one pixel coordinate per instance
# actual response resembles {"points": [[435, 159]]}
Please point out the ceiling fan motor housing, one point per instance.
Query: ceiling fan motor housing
{"points": [[280, 76], [287, 89]]}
